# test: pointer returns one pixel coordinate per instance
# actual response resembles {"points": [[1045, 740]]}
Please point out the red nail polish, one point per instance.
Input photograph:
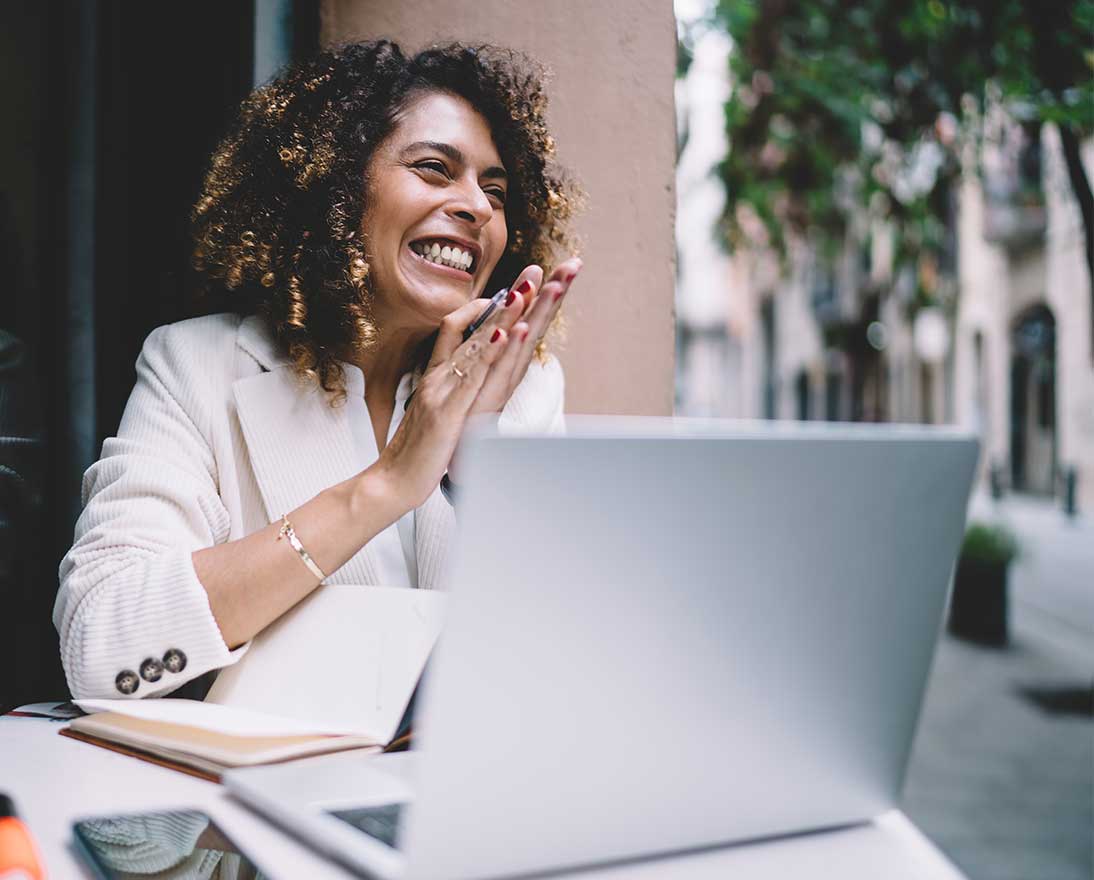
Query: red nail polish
{"points": [[570, 276], [509, 299], [559, 294], [496, 336], [524, 335], [525, 287]]}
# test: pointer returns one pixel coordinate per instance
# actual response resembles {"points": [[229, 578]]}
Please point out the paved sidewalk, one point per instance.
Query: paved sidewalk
{"points": [[1055, 570], [1002, 770]]}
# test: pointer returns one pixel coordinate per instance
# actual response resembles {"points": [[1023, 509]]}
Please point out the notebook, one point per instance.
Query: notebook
{"points": [[336, 672]]}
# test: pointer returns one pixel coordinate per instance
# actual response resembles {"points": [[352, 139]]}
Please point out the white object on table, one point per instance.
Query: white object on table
{"points": [[343, 661], [346, 658], [55, 781]]}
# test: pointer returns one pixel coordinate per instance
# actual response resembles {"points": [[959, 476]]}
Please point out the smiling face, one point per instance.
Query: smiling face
{"points": [[435, 223]]}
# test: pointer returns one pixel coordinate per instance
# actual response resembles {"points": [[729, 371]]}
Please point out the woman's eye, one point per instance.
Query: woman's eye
{"points": [[435, 166], [498, 194]]}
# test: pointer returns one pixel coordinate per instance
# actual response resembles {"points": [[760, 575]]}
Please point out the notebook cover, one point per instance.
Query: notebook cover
{"points": [[180, 747], [136, 753]]}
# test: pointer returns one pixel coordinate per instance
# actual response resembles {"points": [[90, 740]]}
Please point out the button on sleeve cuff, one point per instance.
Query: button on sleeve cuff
{"points": [[122, 619]]}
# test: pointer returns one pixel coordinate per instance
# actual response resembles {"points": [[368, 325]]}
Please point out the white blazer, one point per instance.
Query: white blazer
{"points": [[218, 440]]}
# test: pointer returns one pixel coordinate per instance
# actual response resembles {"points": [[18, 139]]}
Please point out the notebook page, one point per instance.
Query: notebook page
{"points": [[346, 659], [227, 720]]}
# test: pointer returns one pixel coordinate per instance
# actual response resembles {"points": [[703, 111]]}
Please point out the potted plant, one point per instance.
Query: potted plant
{"points": [[978, 606]]}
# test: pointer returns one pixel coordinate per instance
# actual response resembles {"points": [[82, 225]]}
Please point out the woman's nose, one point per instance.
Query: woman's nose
{"points": [[470, 204]]}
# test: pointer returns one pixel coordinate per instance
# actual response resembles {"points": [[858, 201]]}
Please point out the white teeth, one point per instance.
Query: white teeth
{"points": [[445, 255]]}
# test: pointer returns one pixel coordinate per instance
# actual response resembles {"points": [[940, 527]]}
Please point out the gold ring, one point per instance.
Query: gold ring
{"points": [[458, 372]]}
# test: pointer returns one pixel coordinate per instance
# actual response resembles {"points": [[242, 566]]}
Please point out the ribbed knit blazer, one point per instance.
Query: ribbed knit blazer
{"points": [[218, 440]]}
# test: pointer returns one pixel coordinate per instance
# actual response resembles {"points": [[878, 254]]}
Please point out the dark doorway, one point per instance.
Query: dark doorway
{"points": [[112, 111], [875, 387], [1033, 401], [770, 359], [804, 396], [833, 394], [171, 79]]}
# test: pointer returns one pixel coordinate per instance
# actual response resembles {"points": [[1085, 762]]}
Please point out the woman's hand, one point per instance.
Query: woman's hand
{"points": [[417, 456], [509, 371], [546, 300]]}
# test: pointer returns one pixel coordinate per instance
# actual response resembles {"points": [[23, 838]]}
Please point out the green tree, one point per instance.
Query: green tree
{"points": [[840, 104]]}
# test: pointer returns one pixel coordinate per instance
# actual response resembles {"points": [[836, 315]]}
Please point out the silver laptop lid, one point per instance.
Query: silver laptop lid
{"points": [[667, 635]]}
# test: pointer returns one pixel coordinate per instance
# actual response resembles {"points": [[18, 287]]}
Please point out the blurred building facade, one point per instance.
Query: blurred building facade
{"points": [[1024, 367], [1005, 350]]}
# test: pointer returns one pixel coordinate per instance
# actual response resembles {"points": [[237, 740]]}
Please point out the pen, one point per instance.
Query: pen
{"points": [[495, 301], [19, 858]]}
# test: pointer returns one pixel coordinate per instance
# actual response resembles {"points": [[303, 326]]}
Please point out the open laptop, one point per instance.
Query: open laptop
{"points": [[663, 635]]}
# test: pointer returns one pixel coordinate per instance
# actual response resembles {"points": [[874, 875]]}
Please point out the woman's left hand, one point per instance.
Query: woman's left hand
{"points": [[526, 333]]}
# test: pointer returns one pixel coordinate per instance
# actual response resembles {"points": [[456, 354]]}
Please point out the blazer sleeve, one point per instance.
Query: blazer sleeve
{"points": [[128, 590]]}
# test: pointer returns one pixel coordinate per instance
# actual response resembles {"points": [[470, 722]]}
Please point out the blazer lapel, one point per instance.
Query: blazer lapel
{"points": [[298, 444]]}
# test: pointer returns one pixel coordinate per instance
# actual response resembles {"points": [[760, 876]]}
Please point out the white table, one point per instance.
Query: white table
{"points": [[55, 780]]}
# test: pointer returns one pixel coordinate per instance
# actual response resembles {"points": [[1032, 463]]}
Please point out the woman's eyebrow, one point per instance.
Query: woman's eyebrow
{"points": [[453, 153]]}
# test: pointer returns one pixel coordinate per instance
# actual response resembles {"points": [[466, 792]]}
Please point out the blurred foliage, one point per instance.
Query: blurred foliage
{"points": [[989, 543], [839, 107], [683, 56]]}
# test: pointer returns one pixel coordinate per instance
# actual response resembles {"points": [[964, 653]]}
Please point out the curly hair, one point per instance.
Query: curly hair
{"points": [[277, 228]]}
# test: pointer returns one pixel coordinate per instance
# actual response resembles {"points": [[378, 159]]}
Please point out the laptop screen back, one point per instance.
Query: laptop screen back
{"points": [[663, 639]]}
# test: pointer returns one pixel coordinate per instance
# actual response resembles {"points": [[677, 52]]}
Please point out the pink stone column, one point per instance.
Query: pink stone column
{"points": [[612, 115]]}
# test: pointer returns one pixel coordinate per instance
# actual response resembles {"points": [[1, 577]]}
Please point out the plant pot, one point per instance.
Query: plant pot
{"points": [[978, 607]]}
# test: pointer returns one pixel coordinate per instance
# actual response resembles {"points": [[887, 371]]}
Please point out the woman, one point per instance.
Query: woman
{"points": [[351, 223]]}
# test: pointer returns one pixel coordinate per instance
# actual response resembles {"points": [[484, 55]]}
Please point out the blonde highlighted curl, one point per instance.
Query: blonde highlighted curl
{"points": [[277, 228]]}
